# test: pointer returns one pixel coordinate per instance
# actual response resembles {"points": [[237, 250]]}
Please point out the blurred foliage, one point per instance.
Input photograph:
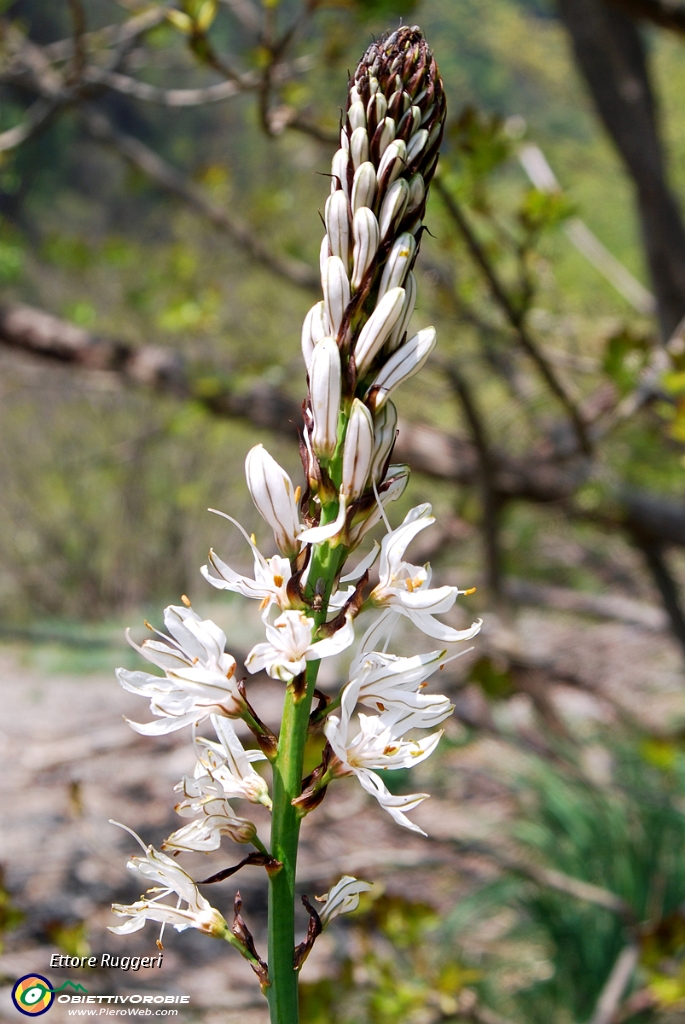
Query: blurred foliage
{"points": [[396, 970], [10, 915]]}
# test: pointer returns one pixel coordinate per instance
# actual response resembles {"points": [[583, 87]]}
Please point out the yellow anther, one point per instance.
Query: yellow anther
{"points": [[278, 581], [471, 590], [186, 600], [410, 585], [263, 603], [391, 749], [298, 494], [149, 626], [253, 539]]}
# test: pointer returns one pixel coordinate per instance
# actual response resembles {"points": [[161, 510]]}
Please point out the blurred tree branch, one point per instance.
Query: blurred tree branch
{"points": [[611, 56], [664, 13]]}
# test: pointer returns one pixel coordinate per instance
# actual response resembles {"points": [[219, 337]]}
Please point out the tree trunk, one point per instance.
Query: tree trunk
{"points": [[611, 56]]}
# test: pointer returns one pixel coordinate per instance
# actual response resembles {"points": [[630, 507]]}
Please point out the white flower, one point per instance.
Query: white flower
{"points": [[384, 681], [289, 646], [271, 575], [229, 763], [341, 898], [406, 589], [274, 496], [170, 879], [206, 796], [199, 677], [378, 745]]}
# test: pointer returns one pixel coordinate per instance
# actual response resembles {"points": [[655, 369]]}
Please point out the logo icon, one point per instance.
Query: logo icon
{"points": [[33, 995]]}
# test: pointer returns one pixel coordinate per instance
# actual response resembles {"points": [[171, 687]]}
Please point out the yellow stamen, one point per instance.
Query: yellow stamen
{"points": [[253, 539], [186, 600], [298, 493], [263, 603], [471, 590], [410, 585], [278, 581], [391, 749], [152, 628]]}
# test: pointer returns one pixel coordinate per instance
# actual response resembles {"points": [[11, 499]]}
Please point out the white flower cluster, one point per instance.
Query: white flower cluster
{"points": [[358, 349]]}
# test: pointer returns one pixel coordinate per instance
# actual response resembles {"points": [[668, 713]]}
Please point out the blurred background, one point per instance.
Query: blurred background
{"points": [[162, 177]]}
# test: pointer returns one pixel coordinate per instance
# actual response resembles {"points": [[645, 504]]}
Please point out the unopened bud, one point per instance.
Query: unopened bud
{"points": [[384, 135], [394, 207], [364, 186], [314, 328], [274, 496], [339, 167], [324, 253], [376, 109], [410, 123], [402, 365], [402, 325], [417, 144], [357, 452], [359, 147], [324, 389], [336, 291], [384, 433], [344, 140], [417, 193], [393, 162], [366, 241], [398, 263], [356, 115], [377, 328], [338, 225]]}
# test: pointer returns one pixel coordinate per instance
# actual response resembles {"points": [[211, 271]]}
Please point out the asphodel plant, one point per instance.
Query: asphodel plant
{"points": [[358, 348]]}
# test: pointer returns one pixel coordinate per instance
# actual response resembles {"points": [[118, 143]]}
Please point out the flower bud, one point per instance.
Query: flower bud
{"points": [[393, 162], [324, 253], [274, 495], [344, 140], [356, 115], [402, 365], [417, 193], [402, 325], [339, 167], [375, 331], [336, 291], [376, 109], [394, 207], [384, 433], [357, 452], [359, 147], [398, 263], [417, 144], [355, 95], [314, 328], [324, 390], [366, 241], [338, 225], [364, 186], [383, 136], [414, 116]]}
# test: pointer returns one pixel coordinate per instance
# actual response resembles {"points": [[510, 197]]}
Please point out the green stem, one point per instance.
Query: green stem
{"points": [[285, 823]]}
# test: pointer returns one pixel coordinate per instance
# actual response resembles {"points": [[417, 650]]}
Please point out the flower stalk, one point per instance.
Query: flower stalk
{"points": [[357, 348]]}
